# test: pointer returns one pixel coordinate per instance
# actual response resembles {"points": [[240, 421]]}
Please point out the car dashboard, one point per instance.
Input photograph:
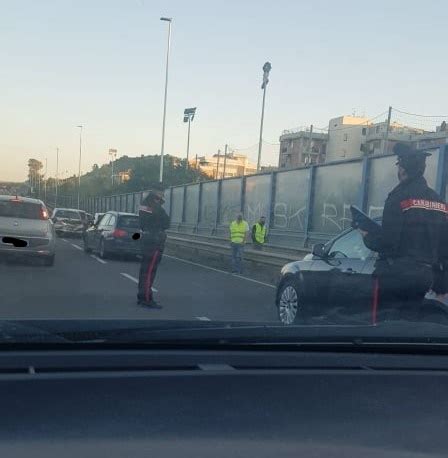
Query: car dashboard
{"points": [[221, 403]]}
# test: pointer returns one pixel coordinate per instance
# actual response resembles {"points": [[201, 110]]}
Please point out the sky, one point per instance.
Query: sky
{"points": [[101, 63]]}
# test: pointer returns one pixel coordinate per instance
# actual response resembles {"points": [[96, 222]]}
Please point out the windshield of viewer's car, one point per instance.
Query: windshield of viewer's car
{"points": [[277, 165]]}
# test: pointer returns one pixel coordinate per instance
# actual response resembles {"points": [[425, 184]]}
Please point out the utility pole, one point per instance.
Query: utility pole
{"points": [[57, 178], [386, 135], [225, 162], [217, 164], [266, 69], [309, 144], [169, 20]]}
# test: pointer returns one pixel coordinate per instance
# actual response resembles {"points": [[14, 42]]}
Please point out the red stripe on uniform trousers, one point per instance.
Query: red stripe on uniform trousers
{"points": [[148, 276]]}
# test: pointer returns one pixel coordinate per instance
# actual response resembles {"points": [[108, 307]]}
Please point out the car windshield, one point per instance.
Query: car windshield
{"points": [[279, 168], [20, 209]]}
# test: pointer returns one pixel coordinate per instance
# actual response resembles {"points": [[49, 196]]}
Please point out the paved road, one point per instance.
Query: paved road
{"points": [[81, 286]]}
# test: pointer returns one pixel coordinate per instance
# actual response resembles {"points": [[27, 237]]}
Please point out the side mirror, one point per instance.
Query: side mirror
{"points": [[319, 250]]}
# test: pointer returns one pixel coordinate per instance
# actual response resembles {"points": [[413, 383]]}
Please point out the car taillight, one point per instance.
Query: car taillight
{"points": [[43, 213], [117, 233]]}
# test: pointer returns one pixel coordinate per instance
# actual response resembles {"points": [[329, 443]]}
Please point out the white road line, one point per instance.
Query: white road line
{"points": [[76, 246], [203, 318], [135, 280], [98, 259], [130, 277], [65, 240], [220, 271]]}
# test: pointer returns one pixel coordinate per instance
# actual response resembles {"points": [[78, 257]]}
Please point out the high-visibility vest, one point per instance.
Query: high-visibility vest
{"points": [[260, 233], [238, 231]]}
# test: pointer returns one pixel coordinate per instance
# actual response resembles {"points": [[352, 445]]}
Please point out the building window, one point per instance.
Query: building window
{"points": [[377, 130], [364, 131], [345, 137], [284, 149]]}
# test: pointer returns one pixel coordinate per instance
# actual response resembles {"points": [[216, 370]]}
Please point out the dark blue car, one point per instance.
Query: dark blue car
{"points": [[116, 233], [333, 283]]}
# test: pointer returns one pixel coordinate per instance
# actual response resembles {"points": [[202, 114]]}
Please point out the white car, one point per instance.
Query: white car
{"points": [[26, 229]]}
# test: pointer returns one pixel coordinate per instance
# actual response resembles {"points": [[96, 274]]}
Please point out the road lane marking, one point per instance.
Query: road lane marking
{"points": [[76, 246], [130, 277], [65, 240], [98, 259], [203, 318], [220, 271], [135, 280]]}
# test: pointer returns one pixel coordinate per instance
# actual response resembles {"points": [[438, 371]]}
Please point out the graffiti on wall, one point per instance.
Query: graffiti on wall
{"points": [[286, 216]]}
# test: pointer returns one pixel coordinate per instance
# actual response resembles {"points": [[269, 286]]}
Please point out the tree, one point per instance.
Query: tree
{"points": [[144, 172], [34, 175]]}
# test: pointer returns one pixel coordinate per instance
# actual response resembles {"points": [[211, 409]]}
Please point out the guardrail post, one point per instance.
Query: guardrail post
{"points": [[309, 204], [363, 196], [271, 202], [198, 219], [441, 172]]}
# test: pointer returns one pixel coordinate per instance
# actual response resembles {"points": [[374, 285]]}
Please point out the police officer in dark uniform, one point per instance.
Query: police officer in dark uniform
{"points": [[153, 222], [409, 240]]}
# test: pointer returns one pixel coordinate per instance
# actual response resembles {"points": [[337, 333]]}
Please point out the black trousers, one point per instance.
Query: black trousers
{"points": [[151, 256], [402, 287]]}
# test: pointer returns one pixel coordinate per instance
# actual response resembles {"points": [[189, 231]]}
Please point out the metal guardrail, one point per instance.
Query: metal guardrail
{"points": [[302, 206]]}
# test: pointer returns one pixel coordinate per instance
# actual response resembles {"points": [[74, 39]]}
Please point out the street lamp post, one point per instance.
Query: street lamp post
{"points": [[266, 69], [79, 164], [169, 20], [57, 178], [188, 117], [45, 180], [113, 154]]}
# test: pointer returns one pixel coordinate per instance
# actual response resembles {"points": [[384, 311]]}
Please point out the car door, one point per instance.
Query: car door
{"points": [[98, 232], [350, 277]]}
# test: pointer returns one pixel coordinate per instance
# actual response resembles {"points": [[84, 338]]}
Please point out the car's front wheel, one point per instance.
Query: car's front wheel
{"points": [[288, 303]]}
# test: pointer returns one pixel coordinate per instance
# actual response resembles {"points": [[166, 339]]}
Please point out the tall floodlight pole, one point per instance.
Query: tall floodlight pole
{"points": [[188, 117], [169, 20], [79, 164], [266, 69]]}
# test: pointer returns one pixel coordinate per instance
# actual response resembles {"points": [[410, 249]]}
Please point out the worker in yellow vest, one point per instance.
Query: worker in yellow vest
{"points": [[238, 233], [259, 233]]}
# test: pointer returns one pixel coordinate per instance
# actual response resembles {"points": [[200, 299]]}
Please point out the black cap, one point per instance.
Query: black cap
{"points": [[410, 159], [404, 151]]}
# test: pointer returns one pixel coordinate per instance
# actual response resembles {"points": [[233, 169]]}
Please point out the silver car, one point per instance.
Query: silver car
{"points": [[69, 221], [25, 228]]}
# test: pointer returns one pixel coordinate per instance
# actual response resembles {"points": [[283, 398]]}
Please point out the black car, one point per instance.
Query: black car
{"points": [[114, 234], [334, 283]]}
